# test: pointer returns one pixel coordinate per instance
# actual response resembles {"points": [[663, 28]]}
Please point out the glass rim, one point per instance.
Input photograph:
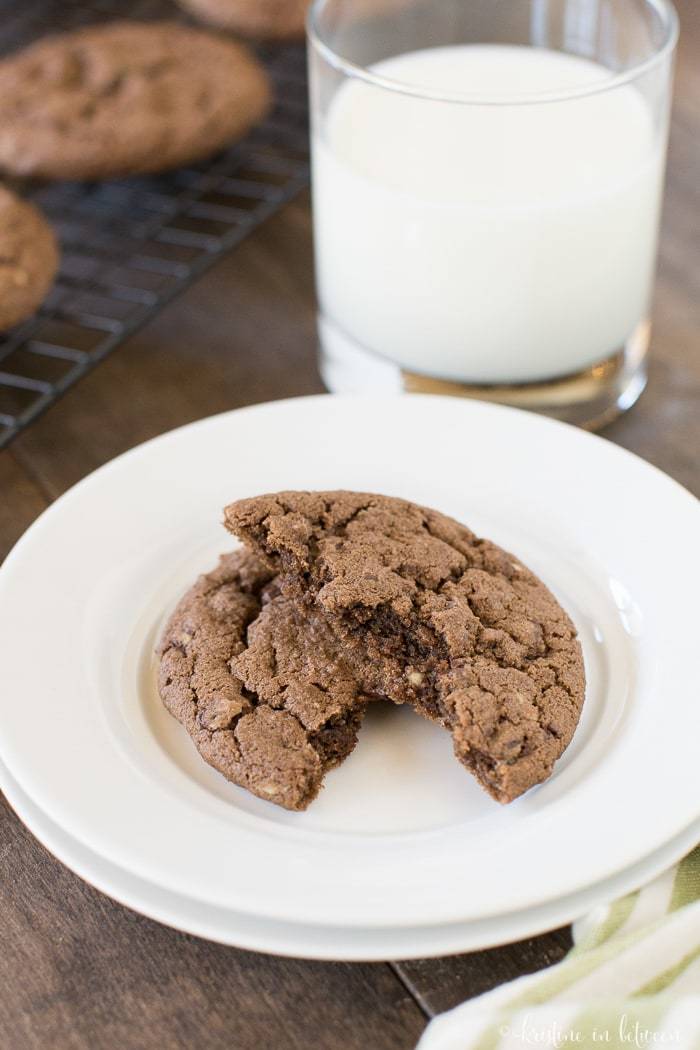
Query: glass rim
{"points": [[664, 8]]}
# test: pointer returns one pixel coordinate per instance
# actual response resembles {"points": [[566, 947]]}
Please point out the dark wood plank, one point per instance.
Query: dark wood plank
{"points": [[439, 984], [21, 501], [78, 972]]}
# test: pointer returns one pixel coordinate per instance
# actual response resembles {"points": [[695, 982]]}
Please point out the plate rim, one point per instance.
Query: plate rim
{"points": [[533, 922]]}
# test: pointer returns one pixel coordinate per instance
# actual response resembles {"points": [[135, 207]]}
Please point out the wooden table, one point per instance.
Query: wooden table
{"points": [[77, 970]]}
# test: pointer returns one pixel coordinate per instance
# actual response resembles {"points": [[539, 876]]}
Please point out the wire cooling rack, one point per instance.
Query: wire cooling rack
{"points": [[131, 245]]}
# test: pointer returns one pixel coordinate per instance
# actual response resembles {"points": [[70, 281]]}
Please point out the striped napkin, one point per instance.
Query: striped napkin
{"points": [[631, 982]]}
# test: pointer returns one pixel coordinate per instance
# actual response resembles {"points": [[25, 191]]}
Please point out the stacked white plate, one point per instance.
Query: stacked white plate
{"points": [[402, 854]]}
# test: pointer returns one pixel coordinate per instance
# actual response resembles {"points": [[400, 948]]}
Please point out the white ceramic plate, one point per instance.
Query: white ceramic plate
{"points": [[401, 836], [349, 943]]}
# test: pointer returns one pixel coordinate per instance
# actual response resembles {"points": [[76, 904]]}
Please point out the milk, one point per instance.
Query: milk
{"points": [[486, 243]]}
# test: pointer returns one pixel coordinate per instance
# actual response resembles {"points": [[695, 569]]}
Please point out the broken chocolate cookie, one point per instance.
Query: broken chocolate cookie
{"points": [[259, 685], [427, 613]]}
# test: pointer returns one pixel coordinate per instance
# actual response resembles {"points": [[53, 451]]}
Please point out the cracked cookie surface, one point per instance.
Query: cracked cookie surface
{"points": [[265, 19], [259, 686], [430, 614], [28, 259], [125, 98]]}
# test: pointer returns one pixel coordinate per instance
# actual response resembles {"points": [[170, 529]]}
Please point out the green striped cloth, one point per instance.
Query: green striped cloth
{"points": [[631, 981]]}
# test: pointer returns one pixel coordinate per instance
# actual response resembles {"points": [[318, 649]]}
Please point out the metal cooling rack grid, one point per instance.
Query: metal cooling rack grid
{"points": [[131, 245]]}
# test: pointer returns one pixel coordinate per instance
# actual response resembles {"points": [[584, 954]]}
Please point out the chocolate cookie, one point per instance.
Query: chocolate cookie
{"points": [[125, 97], [429, 614], [28, 259], [259, 686], [265, 19]]}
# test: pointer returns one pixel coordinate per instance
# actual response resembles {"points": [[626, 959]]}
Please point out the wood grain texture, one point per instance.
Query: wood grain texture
{"points": [[438, 984], [78, 971], [21, 501]]}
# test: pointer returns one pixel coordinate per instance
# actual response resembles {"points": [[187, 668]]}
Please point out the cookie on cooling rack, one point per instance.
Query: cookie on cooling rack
{"points": [[28, 259], [126, 98]]}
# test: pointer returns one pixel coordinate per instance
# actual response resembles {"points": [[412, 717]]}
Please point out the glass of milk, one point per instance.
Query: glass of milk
{"points": [[487, 182]]}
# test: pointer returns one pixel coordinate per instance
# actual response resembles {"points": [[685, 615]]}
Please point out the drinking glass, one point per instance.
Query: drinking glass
{"points": [[487, 184]]}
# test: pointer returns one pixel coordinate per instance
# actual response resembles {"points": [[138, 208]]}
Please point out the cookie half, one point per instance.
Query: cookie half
{"points": [[28, 259], [125, 98], [429, 614], [262, 19], [260, 686]]}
